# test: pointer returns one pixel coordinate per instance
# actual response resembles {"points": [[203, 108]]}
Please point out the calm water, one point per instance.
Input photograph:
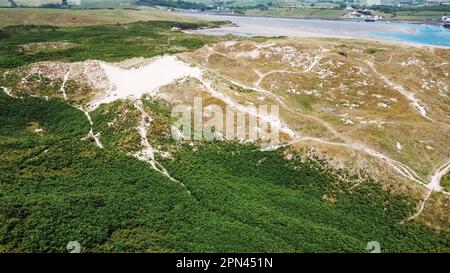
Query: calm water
{"points": [[265, 26]]}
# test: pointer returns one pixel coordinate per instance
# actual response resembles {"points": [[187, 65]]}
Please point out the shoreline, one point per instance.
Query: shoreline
{"points": [[426, 22], [302, 34], [385, 41]]}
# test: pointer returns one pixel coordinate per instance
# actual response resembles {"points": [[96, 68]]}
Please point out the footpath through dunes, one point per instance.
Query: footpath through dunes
{"points": [[333, 81], [330, 93]]}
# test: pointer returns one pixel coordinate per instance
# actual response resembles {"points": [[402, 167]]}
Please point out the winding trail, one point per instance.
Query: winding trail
{"points": [[408, 95], [272, 120], [316, 61], [421, 207], [436, 178], [401, 168], [148, 153], [396, 165], [62, 89], [433, 185], [91, 134]]}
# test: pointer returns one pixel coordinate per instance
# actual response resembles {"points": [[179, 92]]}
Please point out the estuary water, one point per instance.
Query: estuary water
{"points": [[414, 33]]}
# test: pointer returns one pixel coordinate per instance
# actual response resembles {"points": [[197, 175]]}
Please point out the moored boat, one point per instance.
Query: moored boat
{"points": [[446, 22], [370, 18]]}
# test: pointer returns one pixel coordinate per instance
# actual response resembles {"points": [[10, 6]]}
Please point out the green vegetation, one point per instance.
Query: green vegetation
{"points": [[393, 13], [299, 12], [371, 50], [240, 89], [415, 15], [262, 39], [159, 134], [109, 42], [445, 182], [179, 4], [57, 188], [392, 9], [117, 121]]}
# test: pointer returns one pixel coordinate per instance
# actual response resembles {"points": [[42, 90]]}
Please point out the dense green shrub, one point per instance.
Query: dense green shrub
{"points": [[106, 42]]}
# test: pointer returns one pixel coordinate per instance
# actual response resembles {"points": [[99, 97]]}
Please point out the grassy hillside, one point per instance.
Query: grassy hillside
{"points": [[83, 3], [57, 188], [76, 17], [298, 12], [339, 12], [106, 3]]}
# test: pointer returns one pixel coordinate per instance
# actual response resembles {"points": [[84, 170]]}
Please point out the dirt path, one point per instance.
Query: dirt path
{"points": [[408, 95], [435, 182], [91, 134], [421, 207], [148, 153], [62, 89]]}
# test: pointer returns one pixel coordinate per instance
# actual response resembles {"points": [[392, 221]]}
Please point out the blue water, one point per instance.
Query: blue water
{"points": [[425, 34], [395, 31]]}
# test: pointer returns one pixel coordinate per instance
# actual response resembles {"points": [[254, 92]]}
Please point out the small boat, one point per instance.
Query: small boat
{"points": [[370, 18], [446, 22]]}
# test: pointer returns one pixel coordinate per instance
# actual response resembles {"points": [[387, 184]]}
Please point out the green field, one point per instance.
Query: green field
{"points": [[298, 12], [84, 3], [75, 17], [417, 15]]}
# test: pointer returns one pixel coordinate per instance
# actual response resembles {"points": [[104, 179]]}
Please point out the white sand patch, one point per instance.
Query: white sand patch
{"points": [[435, 182], [134, 82], [230, 43], [266, 45], [249, 54], [347, 121], [382, 105], [63, 91], [147, 153], [313, 92], [7, 92], [316, 60], [378, 96]]}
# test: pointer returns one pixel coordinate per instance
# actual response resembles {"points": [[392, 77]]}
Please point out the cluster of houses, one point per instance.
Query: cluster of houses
{"points": [[366, 14]]}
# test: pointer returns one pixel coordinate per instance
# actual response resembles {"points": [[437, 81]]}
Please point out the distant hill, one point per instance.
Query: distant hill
{"points": [[81, 3]]}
